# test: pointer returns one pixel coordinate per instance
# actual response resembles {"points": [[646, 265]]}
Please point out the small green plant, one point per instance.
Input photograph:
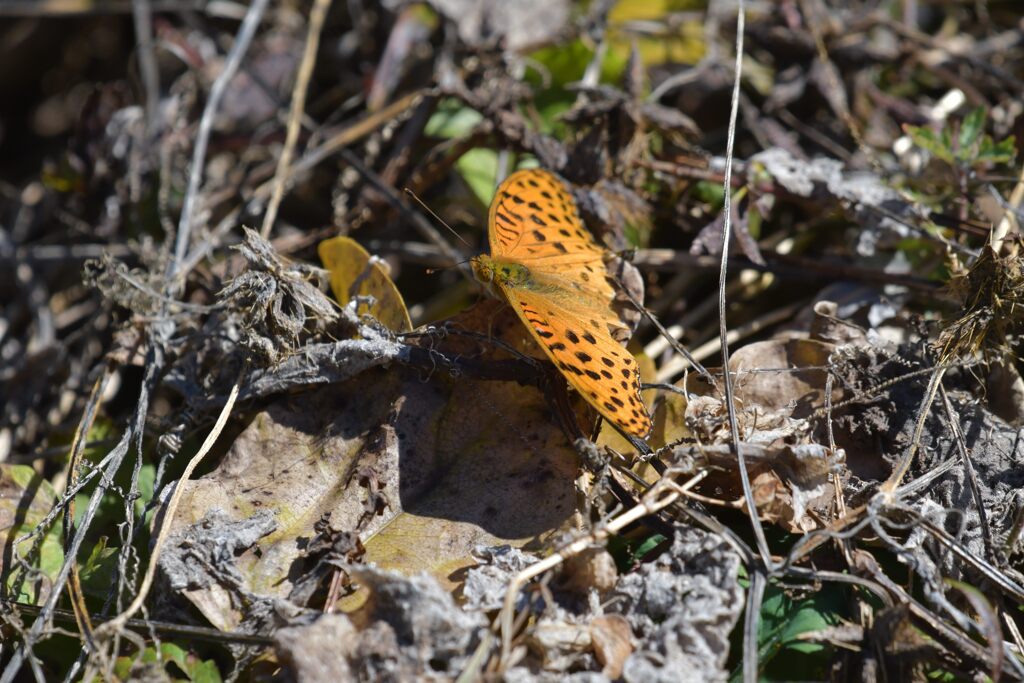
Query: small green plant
{"points": [[967, 150], [963, 158]]}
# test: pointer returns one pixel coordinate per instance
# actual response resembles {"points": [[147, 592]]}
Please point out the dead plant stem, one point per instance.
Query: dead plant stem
{"points": [[117, 623], [298, 108]]}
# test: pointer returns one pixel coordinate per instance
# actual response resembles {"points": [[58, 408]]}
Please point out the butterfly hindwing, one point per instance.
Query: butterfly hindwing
{"points": [[596, 365]]}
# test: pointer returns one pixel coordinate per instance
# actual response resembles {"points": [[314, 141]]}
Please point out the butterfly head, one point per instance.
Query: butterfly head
{"points": [[483, 269]]}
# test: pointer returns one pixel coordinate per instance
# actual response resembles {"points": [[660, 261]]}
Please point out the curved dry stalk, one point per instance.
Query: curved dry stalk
{"points": [[749, 660], [220, 86], [316, 24], [664, 492], [890, 485], [116, 624]]}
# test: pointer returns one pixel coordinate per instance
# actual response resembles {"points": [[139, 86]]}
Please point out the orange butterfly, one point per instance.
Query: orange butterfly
{"points": [[545, 264]]}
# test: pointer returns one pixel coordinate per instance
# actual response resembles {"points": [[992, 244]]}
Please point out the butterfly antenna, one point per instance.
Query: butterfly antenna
{"points": [[431, 271], [411, 194]]}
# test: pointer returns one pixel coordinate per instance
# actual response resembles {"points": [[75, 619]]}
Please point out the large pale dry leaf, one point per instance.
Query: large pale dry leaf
{"points": [[781, 374], [777, 384], [503, 471], [424, 466]]}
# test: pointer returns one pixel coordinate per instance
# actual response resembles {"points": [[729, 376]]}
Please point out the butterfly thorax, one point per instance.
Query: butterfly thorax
{"points": [[491, 271]]}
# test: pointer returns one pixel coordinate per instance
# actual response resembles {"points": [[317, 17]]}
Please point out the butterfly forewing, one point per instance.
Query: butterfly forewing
{"points": [[534, 220], [566, 301]]}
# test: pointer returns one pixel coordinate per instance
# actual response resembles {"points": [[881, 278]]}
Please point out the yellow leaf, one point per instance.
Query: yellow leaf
{"points": [[355, 273]]}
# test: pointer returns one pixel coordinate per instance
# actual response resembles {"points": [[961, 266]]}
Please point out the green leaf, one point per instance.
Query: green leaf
{"points": [[25, 500], [479, 167], [991, 152], [970, 130], [709, 193], [926, 139], [205, 671], [946, 143], [147, 480], [98, 569], [648, 545], [628, 551], [452, 120], [784, 620], [560, 65], [192, 667], [754, 221], [566, 63]]}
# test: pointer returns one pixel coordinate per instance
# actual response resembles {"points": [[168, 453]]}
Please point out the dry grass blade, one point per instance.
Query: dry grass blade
{"points": [[316, 24]]}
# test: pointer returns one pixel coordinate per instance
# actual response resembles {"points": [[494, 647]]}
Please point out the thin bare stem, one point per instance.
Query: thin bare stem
{"points": [[231, 65], [116, 624], [142, 14], [723, 274], [298, 108]]}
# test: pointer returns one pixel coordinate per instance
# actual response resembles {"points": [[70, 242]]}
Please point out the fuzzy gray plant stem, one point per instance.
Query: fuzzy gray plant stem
{"points": [[142, 13], [231, 65]]}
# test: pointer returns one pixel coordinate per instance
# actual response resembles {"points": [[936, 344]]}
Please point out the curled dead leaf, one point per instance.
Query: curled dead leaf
{"points": [[354, 273], [613, 643]]}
